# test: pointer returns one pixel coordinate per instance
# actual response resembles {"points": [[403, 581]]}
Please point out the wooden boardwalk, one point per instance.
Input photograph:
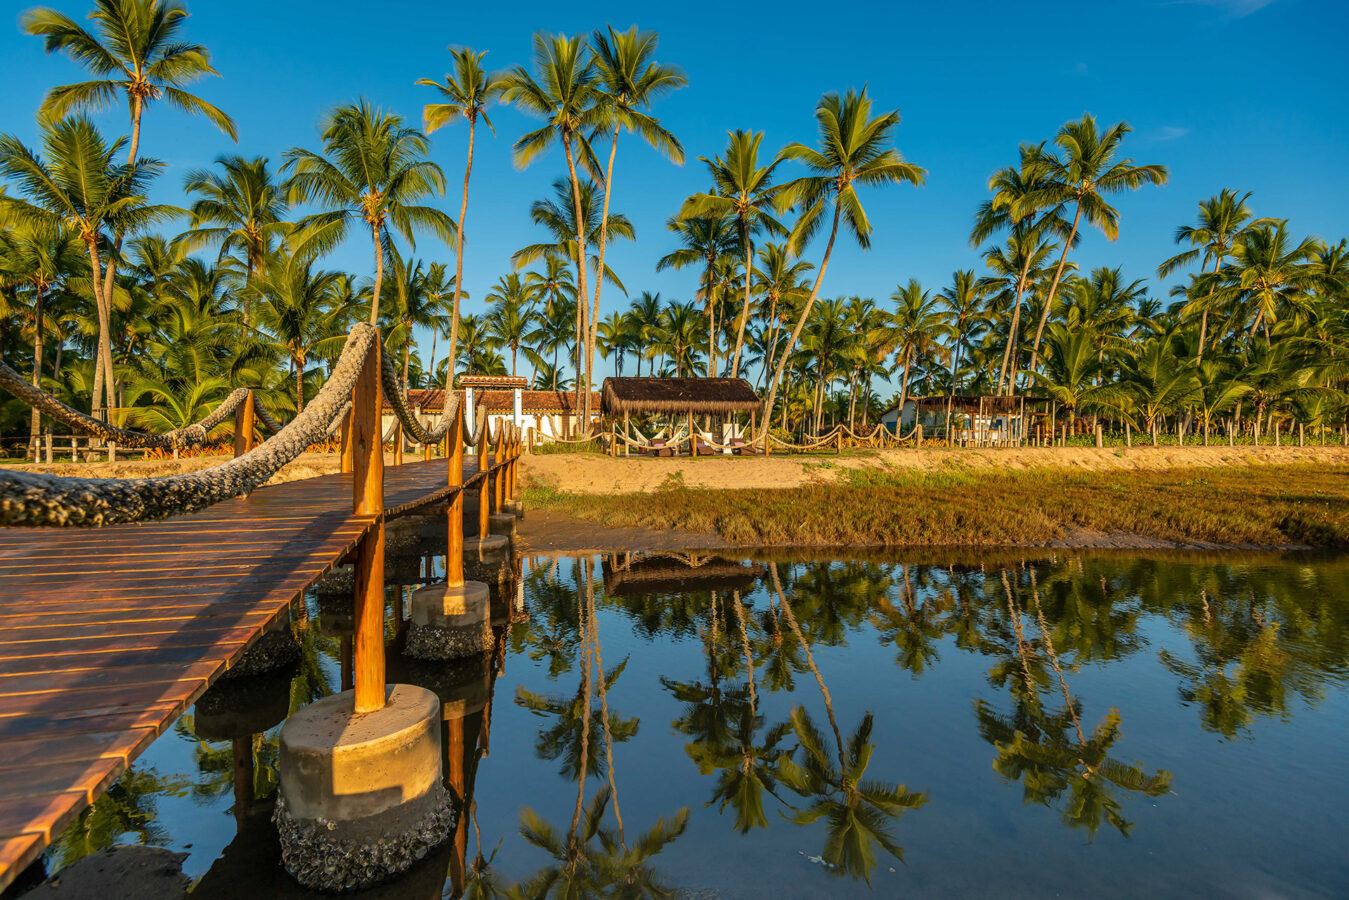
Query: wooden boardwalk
{"points": [[108, 635]]}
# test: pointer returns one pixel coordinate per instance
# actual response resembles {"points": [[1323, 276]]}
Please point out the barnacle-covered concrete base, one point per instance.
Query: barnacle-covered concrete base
{"points": [[362, 797], [449, 621]]}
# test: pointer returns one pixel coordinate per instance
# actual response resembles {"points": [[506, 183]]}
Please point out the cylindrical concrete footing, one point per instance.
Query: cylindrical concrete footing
{"points": [[514, 507], [449, 622], [362, 797], [487, 559], [501, 523]]}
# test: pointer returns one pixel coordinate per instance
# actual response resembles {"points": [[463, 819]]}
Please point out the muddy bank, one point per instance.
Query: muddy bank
{"points": [[592, 473], [548, 531]]}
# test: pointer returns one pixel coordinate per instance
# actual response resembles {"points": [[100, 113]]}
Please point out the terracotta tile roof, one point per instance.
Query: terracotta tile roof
{"points": [[503, 401]]}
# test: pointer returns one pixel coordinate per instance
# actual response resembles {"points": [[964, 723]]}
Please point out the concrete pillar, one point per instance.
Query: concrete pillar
{"points": [[449, 621], [361, 794]]}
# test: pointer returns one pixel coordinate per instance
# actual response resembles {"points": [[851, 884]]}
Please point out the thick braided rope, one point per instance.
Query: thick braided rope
{"points": [[398, 405], [31, 499], [191, 436], [272, 425]]}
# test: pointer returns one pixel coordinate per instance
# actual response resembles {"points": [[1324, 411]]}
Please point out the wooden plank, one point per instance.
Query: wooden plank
{"points": [[16, 854], [78, 637], [207, 610], [114, 676], [97, 700], [98, 662], [60, 724], [90, 777], [44, 816], [57, 647], [43, 751]]}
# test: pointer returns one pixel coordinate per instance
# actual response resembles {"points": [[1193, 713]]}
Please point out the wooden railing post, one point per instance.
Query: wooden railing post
{"points": [[243, 426], [484, 484], [398, 444], [515, 459], [367, 447], [454, 551], [347, 457], [498, 452]]}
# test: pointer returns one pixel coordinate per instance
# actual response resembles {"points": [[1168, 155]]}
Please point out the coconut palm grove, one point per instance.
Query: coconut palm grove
{"points": [[764, 452], [151, 290]]}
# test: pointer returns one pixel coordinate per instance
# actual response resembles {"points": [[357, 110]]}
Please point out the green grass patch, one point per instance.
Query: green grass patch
{"points": [[1251, 505]]}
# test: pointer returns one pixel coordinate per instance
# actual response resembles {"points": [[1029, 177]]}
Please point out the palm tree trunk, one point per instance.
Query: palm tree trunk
{"points": [[1053, 290], [298, 364], [1007, 351], [379, 275], [104, 328], [407, 356], [583, 291], [599, 274], [904, 383], [801, 322], [36, 424], [459, 258], [744, 307]]}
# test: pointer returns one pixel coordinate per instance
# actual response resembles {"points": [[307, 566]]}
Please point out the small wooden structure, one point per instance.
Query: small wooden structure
{"points": [[629, 576], [679, 400], [971, 420]]}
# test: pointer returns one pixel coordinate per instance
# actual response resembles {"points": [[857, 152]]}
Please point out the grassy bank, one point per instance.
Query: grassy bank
{"points": [[1267, 506]]}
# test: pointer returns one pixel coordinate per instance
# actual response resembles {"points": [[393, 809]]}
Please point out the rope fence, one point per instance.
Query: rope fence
{"points": [[34, 499]]}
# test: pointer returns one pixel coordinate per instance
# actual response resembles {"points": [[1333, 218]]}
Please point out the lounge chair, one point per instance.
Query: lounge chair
{"points": [[660, 448]]}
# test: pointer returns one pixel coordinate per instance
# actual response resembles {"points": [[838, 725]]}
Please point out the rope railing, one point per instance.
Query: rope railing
{"points": [[34, 499], [179, 439]]}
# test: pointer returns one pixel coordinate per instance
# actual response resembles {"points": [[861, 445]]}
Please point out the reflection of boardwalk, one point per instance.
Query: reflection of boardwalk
{"points": [[108, 635]]}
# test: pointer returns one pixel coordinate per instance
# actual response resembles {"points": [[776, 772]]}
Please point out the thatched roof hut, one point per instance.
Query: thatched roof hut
{"points": [[675, 575], [694, 396]]}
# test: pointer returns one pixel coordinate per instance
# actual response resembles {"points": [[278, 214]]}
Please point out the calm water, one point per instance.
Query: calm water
{"points": [[1076, 725]]}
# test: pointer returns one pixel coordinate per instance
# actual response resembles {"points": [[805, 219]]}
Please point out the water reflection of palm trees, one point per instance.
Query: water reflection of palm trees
{"points": [[1045, 750], [590, 860]]}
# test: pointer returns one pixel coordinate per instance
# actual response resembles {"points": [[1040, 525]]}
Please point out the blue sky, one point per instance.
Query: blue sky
{"points": [[1228, 93]]}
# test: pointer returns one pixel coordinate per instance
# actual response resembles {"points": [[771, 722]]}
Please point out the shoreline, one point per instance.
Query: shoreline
{"points": [[1192, 499]]}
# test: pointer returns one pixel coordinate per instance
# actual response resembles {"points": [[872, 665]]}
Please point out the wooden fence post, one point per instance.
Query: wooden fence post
{"points": [[367, 448], [484, 485], [454, 552], [498, 453], [918, 436], [1100, 438], [347, 457], [398, 443], [243, 426]]}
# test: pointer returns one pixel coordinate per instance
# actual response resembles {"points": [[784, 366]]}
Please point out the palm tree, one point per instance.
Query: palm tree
{"points": [[1072, 367], [781, 280], [241, 209], [563, 91], [917, 324], [705, 240], [629, 81], [1223, 219], [853, 150], [41, 257], [302, 311], [742, 190], [1026, 244], [510, 318], [138, 51], [964, 302], [374, 171], [467, 92], [78, 186], [1087, 170], [1269, 276], [645, 313]]}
